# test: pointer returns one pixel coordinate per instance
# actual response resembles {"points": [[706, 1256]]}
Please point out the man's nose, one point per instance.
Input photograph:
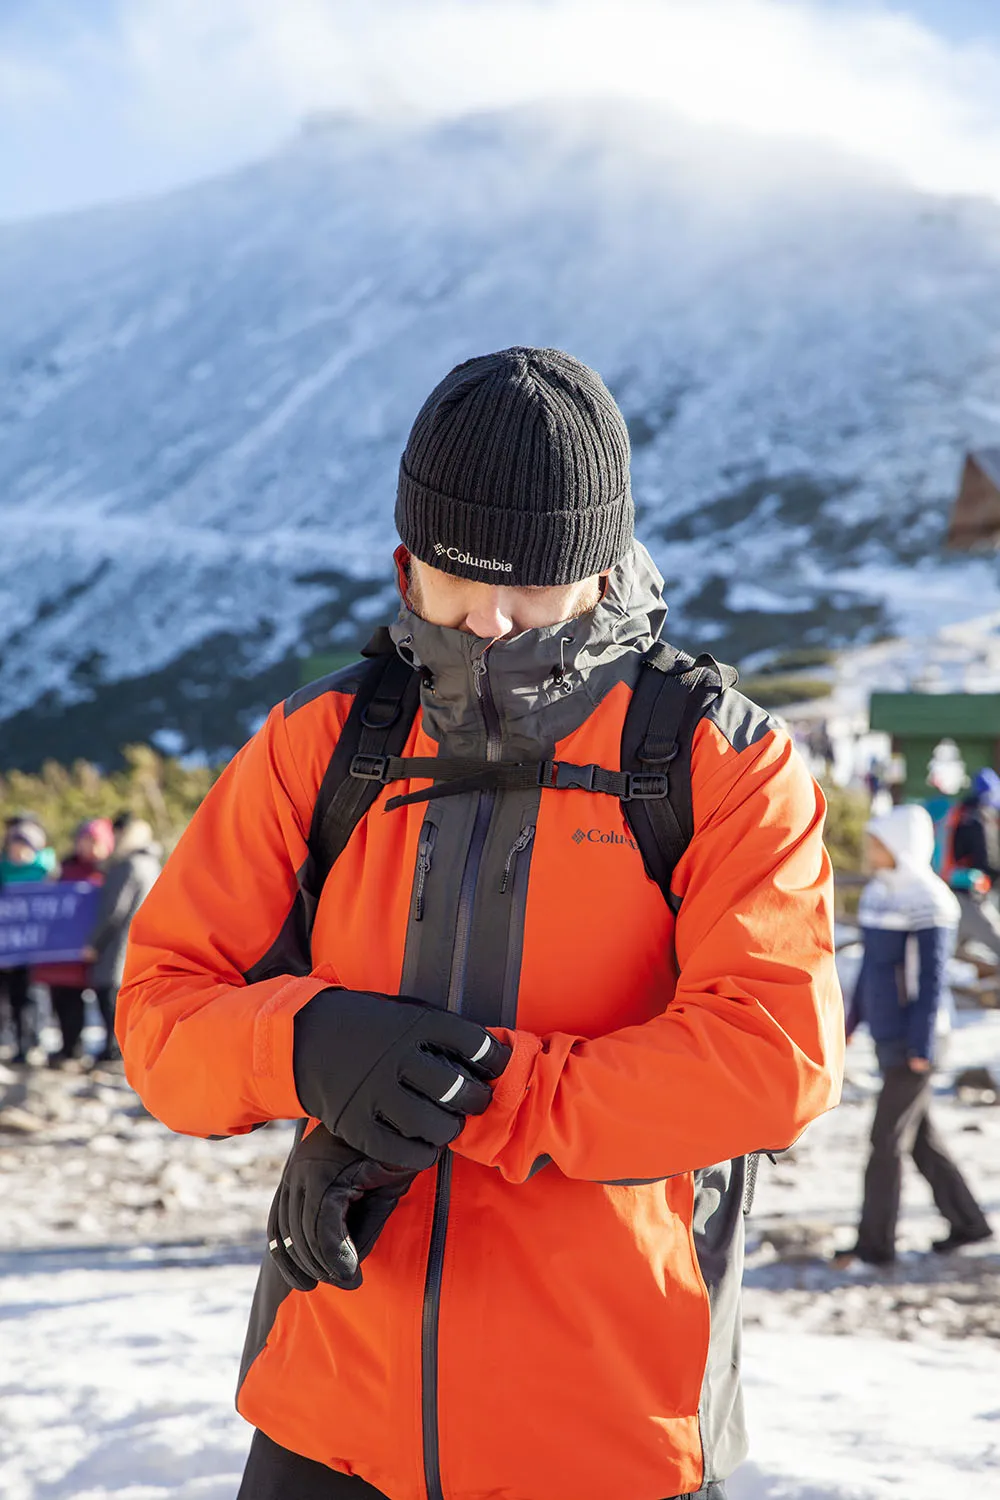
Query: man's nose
{"points": [[490, 618]]}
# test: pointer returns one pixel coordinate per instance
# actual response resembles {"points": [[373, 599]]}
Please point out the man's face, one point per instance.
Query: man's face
{"points": [[494, 610]]}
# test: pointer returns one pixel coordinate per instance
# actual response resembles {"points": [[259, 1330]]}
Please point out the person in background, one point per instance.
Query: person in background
{"points": [[26, 857], [973, 862], [908, 920], [821, 748], [93, 843], [128, 879], [27, 829]]}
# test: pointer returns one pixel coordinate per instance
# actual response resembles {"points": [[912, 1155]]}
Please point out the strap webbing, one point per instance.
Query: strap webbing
{"points": [[452, 777], [378, 725], [653, 784]]}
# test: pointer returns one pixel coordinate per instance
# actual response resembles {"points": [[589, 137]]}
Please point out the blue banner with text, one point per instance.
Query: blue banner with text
{"points": [[45, 923]]}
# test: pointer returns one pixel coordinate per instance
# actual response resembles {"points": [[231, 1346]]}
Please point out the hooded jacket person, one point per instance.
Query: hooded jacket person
{"points": [[909, 920], [498, 1000]]}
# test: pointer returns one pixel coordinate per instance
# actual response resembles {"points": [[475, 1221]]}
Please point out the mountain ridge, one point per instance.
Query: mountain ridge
{"points": [[205, 396]]}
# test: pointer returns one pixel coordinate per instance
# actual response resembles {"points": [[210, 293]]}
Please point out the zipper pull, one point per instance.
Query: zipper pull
{"points": [[425, 856], [479, 670], [517, 847]]}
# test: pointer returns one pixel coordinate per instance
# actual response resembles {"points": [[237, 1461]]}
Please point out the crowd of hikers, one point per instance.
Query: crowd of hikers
{"points": [[121, 857]]}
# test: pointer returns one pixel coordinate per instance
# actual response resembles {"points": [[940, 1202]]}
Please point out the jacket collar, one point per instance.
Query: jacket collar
{"points": [[543, 683]]}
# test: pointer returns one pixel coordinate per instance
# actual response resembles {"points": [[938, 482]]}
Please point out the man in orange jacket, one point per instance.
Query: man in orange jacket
{"points": [[531, 1079]]}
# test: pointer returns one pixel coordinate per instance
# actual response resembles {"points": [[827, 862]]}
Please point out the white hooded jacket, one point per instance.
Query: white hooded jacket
{"points": [[909, 918]]}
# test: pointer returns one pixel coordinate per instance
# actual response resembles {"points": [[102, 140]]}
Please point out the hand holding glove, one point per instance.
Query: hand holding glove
{"points": [[393, 1078], [331, 1206]]}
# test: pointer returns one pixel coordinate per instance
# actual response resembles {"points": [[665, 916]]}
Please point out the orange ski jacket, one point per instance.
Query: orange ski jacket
{"points": [[552, 1313]]}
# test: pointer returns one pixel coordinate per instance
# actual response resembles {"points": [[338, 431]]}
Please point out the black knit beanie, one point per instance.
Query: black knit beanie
{"points": [[517, 471]]}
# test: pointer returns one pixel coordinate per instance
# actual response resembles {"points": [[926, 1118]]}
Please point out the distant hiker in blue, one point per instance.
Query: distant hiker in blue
{"points": [[909, 919]]}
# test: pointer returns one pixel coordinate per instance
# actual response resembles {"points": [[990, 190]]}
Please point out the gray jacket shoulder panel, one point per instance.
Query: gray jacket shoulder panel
{"points": [[742, 722], [346, 680]]}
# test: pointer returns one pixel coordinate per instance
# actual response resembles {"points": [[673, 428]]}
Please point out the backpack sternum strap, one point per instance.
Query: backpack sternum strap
{"points": [[451, 777], [653, 784]]}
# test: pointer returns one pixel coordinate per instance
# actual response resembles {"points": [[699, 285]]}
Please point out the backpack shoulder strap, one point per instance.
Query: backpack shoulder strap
{"points": [[673, 693], [379, 722]]}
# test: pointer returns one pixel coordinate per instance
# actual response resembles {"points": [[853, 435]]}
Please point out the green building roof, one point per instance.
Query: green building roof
{"points": [[944, 715]]}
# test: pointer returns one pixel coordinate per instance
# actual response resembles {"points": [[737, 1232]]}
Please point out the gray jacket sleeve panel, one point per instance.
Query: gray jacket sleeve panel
{"points": [[718, 1238]]}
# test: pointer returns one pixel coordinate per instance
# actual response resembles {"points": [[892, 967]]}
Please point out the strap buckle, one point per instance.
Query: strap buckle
{"points": [[370, 767], [564, 776], [646, 786]]}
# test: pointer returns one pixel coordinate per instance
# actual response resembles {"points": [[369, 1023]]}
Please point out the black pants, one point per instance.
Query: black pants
{"points": [[14, 982], [272, 1473], [107, 997], [67, 1002], [903, 1124]]}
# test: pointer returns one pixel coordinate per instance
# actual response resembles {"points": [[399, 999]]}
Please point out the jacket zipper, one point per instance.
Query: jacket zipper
{"points": [[520, 870], [425, 858], [517, 847], [442, 1195]]}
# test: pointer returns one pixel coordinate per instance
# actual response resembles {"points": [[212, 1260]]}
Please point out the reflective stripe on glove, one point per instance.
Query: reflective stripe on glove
{"points": [[331, 1206], [392, 1077]]}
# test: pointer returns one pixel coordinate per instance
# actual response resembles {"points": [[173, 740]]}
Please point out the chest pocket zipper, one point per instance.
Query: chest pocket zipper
{"points": [[425, 858], [519, 845]]}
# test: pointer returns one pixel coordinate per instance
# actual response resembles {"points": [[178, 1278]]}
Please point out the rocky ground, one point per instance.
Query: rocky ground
{"points": [[84, 1167], [82, 1164]]}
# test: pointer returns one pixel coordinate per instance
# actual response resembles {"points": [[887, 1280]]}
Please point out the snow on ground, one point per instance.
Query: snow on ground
{"points": [[867, 1419], [127, 1263], [118, 1378]]}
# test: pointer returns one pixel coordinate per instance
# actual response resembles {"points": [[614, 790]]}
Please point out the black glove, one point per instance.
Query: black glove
{"points": [[393, 1078], [331, 1206]]}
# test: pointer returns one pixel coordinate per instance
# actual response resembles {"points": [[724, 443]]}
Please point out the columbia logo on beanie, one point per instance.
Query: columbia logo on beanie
{"points": [[518, 465], [454, 554]]}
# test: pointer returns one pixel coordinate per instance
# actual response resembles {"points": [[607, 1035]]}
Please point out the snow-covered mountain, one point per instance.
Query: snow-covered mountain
{"points": [[203, 398]]}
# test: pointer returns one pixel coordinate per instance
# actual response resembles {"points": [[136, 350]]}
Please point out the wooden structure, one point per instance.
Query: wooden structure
{"points": [[975, 515], [917, 722]]}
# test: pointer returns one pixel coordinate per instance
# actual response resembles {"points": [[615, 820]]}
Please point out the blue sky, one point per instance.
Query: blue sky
{"points": [[103, 99], [959, 20]]}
